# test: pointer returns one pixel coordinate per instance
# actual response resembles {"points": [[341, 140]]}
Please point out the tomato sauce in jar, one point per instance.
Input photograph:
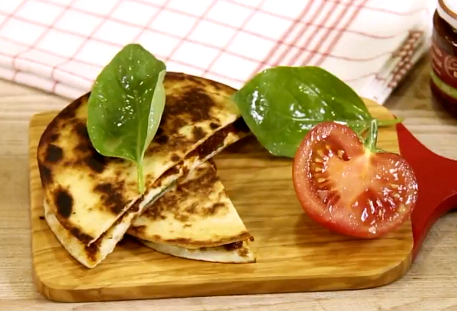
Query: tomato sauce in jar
{"points": [[443, 82]]}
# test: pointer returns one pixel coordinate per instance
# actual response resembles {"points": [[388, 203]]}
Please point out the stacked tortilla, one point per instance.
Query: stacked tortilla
{"points": [[90, 201]]}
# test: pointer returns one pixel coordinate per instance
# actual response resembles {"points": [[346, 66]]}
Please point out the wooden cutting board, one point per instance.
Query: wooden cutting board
{"points": [[293, 253]]}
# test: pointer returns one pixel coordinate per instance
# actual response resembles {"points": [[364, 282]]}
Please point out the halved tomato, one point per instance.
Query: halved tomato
{"points": [[350, 188]]}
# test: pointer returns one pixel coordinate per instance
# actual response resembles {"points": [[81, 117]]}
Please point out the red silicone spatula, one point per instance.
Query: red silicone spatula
{"points": [[436, 181]]}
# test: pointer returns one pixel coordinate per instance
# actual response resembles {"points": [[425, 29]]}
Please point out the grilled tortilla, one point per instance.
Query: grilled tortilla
{"points": [[195, 220], [86, 195]]}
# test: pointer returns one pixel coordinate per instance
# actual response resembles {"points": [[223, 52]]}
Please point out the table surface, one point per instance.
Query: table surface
{"points": [[431, 283]]}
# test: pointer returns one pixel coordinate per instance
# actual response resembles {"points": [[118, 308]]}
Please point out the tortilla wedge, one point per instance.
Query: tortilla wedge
{"points": [[87, 196], [195, 220]]}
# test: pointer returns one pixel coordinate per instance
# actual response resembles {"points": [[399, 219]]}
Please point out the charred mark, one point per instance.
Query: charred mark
{"points": [[219, 86], [92, 250], [69, 112], [112, 196], [53, 153], [177, 76], [178, 123], [194, 103], [136, 206], [214, 142], [241, 126], [81, 131], [54, 137], [192, 209], [64, 202], [243, 252], [175, 157], [213, 125], [233, 246], [41, 217], [161, 139], [214, 209], [96, 162], [198, 133]]}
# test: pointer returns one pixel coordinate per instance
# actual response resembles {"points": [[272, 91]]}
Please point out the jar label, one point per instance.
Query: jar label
{"points": [[444, 70]]}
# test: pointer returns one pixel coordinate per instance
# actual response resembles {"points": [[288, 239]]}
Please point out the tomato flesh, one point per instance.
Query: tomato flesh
{"points": [[348, 188]]}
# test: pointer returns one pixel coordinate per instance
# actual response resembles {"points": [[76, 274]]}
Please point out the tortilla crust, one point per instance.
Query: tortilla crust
{"points": [[87, 192], [238, 252], [195, 213]]}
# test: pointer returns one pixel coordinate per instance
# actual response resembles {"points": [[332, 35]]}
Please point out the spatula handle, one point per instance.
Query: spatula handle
{"points": [[437, 184]]}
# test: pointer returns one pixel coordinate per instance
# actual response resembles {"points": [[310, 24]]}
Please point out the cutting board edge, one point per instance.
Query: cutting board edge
{"points": [[251, 287]]}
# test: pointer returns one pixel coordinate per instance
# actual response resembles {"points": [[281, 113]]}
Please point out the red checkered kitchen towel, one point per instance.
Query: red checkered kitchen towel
{"points": [[60, 46]]}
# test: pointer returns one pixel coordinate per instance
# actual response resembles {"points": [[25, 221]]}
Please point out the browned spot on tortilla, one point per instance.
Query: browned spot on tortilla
{"points": [[175, 76], [178, 123], [93, 249], [69, 112], [198, 133], [175, 157], [161, 139], [83, 237], [86, 154], [111, 195], [64, 202], [243, 252], [194, 105], [136, 206], [233, 246], [213, 142], [137, 231], [54, 137], [213, 125], [45, 174], [198, 81], [192, 209], [171, 171], [53, 153], [215, 208], [41, 217], [81, 130], [96, 162]]}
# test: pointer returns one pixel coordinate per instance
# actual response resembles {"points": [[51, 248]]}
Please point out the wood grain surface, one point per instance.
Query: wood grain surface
{"points": [[293, 252], [430, 284]]}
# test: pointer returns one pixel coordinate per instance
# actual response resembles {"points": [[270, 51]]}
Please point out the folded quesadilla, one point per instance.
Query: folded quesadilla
{"points": [[90, 200], [195, 219]]}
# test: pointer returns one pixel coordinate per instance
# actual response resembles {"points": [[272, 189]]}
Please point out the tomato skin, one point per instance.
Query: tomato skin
{"points": [[361, 193]]}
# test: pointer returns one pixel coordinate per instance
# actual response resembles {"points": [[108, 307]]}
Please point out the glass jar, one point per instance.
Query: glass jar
{"points": [[443, 82]]}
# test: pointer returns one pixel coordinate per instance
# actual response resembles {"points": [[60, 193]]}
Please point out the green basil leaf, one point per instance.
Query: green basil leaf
{"points": [[281, 104], [126, 105]]}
